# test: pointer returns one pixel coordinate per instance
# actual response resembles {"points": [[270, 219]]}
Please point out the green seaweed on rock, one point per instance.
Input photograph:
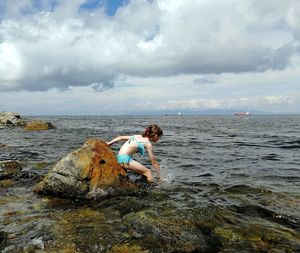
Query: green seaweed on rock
{"points": [[160, 233], [126, 248]]}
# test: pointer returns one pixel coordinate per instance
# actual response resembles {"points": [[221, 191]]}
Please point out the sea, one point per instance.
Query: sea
{"points": [[230, 184]]}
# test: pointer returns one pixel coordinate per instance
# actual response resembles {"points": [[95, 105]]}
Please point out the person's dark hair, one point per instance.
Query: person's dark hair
{"points": [[153, 130]]}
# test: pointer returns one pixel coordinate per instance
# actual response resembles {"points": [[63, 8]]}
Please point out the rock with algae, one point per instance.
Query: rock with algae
{"points": [[37, 125], [230, 238], [126, 248], [86, 229], [9, 168], [88, 171], [232, 232], [160, 233], [6, 183]]}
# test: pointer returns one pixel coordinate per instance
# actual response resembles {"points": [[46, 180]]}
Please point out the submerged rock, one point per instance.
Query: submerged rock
{"points": [[236, 232], [230, 238], [12, 118], [165, 233], [3, 239], [3, 145], [126, 248], [89, 169], [9, 168], [6, 183], [37, 125]]}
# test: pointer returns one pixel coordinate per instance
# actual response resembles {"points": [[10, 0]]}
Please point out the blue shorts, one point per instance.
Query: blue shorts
{"points": [[124, 159]]}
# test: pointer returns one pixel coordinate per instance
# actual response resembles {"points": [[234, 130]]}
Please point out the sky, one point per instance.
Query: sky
{"points": [[116, 57]]}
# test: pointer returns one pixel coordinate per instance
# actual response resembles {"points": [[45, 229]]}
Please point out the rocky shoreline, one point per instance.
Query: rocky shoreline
{"points": [[85, 202], [16, 120], [81, 174]]}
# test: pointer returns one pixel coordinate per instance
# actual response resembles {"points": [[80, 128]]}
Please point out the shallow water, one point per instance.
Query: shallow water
{"points": [[232, 184]]}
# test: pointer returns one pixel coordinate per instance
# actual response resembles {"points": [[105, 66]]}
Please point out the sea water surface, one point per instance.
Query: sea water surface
{"points": [[232, 184]]}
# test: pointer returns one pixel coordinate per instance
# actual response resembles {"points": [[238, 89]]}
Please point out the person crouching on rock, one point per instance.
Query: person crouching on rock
{"points": [[137, 144]]}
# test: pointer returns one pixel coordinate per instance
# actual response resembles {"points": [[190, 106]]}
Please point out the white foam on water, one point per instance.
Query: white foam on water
{"points": [[166, 172], [38, 242]]}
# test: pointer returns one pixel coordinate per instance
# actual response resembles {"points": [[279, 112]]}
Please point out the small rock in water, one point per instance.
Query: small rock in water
{"points": [[9, 168], [6, 183], [37, 125], [12, 118]]}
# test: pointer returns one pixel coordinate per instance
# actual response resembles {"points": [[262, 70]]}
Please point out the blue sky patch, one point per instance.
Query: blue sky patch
{"points": [[111, 6]]}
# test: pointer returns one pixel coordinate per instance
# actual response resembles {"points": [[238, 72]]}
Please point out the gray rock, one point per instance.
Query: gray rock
{"points": [[12, 118]]}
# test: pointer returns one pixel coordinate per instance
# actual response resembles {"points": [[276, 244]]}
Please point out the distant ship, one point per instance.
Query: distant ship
{"points": [[178, 114], [242, 114]]}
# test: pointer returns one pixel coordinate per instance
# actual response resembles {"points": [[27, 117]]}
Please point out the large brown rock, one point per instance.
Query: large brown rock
{"points": [[37, 125], [91, 169]]}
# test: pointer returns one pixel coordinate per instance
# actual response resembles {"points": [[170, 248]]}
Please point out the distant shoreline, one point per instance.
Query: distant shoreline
{"points": [[159, 115]]}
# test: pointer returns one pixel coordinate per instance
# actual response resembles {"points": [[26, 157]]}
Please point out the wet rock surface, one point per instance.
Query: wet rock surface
{"points": [[9, 169], [6, 183], [165, 233], [3, 239], [83, 172]]}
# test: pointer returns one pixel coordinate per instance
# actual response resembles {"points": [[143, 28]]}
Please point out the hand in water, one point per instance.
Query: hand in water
{"points": [[160, 179]]}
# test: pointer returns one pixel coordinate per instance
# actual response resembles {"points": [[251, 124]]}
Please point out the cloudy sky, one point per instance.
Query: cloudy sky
{"points": [[108, 57]]}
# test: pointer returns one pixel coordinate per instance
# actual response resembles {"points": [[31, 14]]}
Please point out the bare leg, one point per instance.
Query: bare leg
{"points": [[140, 169]]}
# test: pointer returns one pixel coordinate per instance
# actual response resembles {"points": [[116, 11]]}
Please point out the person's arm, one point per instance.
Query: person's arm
{"points": [[119, 138], [153, 159]]}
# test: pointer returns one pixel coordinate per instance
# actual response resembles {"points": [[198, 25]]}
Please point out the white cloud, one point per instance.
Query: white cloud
{"points": [[293, 19], [150, 55], [10, 64], [273, 100], [235, 103], [201, 104], [68, 47]]}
